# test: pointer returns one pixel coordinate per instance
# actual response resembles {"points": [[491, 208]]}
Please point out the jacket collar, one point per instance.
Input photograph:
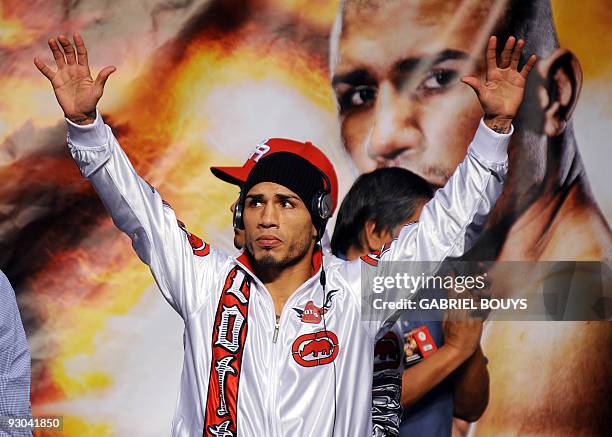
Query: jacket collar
{"points": [[317, 261]]}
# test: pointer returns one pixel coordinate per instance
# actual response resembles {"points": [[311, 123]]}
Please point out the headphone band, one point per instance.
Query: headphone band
{"points": [[320, 207]]}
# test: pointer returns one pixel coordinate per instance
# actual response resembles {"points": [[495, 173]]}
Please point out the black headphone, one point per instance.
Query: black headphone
{"points": [[238, 220], [320, 207]]}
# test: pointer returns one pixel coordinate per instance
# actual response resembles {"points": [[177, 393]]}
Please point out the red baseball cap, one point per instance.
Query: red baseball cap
{"points": [[307, 150]]}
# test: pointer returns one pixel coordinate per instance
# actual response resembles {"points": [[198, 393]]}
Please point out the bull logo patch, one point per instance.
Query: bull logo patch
{"points": [[315, 349], [312, 313], [387, 352]]}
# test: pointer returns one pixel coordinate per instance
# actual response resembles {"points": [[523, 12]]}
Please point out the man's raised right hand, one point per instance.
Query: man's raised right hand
{"points": [[75, 90]]}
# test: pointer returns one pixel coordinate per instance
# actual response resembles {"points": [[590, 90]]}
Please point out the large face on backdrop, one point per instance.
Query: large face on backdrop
{"points": [[199, 84], [397, 85], [396, 70], [396, 79]]}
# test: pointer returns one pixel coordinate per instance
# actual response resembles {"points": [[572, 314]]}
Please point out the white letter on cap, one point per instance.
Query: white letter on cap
{"points": [[260, 150]]}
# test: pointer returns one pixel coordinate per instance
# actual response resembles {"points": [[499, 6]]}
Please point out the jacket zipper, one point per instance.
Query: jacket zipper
{"points": [[272, 422], [272, 382], [273, 418]]}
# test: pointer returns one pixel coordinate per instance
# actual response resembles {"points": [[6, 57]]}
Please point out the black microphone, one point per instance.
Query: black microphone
{"points": [[322, 278]]}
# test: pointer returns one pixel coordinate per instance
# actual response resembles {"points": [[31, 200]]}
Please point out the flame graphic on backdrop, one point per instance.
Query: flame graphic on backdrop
{"points": [[164, 124], [179, 116]]}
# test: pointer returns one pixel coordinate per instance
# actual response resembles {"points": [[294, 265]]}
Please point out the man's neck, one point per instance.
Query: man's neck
{"points": [[560, 220], [282, 282], [562, 225], [542, 220]]}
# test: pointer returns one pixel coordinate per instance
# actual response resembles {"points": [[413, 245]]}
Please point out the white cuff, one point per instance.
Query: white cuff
{"points": [[491, 145], [89, 135]]}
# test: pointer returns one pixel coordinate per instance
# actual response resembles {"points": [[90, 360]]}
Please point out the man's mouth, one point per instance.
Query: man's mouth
{"points": [[436, 176], [268, 241]]}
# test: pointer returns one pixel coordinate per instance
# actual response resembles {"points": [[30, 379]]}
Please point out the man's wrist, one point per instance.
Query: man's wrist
{"points": [[93, 134], [501, 125], [83, 119], [457, 354]]}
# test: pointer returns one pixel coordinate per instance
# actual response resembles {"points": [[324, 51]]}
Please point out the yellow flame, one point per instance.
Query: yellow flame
{"points": [[321, 13], [12, 32]]}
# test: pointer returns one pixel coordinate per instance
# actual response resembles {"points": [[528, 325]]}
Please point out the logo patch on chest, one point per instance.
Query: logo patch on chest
{"points": [[312, 313], [315, 349]]}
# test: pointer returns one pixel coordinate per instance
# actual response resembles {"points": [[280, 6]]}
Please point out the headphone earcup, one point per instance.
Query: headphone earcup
{"points": [[321, 207], [321, 211], [325, 206], [238, 219]]}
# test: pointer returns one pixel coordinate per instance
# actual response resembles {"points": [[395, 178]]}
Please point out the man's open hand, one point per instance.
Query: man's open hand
{"points": [[501, 94], [75, 90]]}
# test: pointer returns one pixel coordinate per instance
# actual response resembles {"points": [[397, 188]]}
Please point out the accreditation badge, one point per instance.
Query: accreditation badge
{"points": [[418, 345]]}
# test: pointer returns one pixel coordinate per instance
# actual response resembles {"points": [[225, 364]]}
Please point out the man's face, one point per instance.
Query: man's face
{"points": [[397, 85], [278, 226]]}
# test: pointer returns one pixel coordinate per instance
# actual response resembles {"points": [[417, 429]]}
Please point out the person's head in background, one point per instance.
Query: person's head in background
{"points": [[375, 209], [396, 67]]}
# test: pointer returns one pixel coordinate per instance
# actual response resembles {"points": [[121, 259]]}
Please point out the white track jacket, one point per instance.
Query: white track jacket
{"points": [[244, 374]]}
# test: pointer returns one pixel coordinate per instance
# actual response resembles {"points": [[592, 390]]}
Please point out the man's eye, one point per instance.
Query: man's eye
{"points": [[286, 203], [438, 79], [358, 96], [253, 203]]}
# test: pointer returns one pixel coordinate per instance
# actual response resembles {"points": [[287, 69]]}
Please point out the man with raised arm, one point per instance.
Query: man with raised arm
{"points": [[274, 341]]}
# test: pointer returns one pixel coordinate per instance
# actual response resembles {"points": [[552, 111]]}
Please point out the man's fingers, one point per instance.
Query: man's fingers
{"points": [[528, 66], [472, 82], [44, 69], [491, 51], [68, 49], [507, 52], [516, 54], [103, 77], [80, 49], [58, 55]]}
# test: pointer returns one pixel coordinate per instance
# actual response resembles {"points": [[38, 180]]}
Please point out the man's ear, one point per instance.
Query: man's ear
{"points": [[374, 239], [562, 83]]}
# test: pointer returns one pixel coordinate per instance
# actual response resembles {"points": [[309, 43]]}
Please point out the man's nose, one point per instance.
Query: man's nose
{"points": [[395, 126], [269, 216]]}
